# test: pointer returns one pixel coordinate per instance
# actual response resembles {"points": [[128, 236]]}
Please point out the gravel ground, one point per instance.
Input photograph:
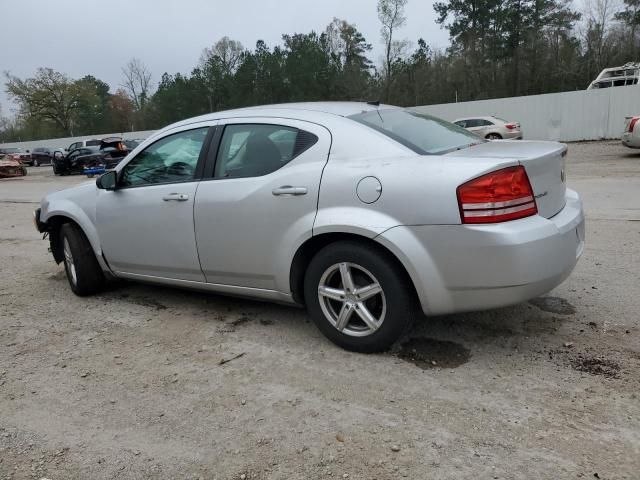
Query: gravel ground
{"points": [[148, 382]]}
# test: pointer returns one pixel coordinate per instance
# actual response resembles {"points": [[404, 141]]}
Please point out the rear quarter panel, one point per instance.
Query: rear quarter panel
{"points": [[416, 190]]}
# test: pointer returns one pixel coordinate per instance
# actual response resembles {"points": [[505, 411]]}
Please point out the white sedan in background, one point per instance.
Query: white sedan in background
{"points": [[631, 134], [491, 128]]}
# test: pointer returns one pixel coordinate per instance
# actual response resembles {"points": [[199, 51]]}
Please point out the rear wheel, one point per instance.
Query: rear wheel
{"points": [[494, 136], [83, 271], [358, 297]]}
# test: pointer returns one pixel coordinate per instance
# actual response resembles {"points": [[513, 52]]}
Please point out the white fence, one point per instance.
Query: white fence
{"points": [[567, 116], [66, 141]]}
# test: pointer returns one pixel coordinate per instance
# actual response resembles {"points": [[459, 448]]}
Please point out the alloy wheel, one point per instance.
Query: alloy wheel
{"points": [[68, 258], [352, 299]]}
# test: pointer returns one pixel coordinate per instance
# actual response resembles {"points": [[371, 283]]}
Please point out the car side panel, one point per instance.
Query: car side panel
{"points": [[415, 190], [246, 235], [69, 206]]}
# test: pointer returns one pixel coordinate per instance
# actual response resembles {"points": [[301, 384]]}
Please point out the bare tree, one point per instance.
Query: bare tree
{"points": [[599, 16], [137, 82], [391, 15], [226, 51]]}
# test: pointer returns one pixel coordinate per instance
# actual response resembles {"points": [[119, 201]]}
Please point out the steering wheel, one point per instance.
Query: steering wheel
{"points": [[181, 169]]}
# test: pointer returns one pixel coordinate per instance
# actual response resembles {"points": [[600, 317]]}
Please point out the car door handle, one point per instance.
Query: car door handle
{"points": [[176, 197], [289, 190]]}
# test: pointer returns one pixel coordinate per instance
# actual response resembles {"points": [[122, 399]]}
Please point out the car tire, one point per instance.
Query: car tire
{"points": [[389, 313], [83, 271], [36, 163], [494, 136]]}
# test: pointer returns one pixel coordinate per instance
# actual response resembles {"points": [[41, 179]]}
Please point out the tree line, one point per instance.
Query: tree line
{"points": [[497, 48]]}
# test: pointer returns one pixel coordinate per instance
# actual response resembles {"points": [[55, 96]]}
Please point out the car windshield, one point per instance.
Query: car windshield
{"points": [[421, 133], [11, 150]]}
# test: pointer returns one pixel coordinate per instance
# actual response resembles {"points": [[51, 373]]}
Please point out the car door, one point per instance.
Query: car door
{"points": [[261, 202], [145, 226], [474, 125], [72, 157]]}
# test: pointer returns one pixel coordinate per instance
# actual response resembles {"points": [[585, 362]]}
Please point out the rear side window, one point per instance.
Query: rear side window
{"points": [[424, 134], [254, 150]]}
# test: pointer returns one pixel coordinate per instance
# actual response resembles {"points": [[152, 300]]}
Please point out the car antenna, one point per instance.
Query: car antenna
{"points": [[374, 103]]}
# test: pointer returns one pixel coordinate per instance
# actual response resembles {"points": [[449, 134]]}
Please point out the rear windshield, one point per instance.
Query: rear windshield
{"points": [[93, 143], [11, 150], [421, 133]]}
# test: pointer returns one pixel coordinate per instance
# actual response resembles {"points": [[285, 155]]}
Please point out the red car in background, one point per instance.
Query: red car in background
{"points": [[15, 153], [9, 167]]}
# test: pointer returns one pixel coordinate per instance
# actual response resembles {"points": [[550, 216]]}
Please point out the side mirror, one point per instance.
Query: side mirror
{"points": [[107, 181]]}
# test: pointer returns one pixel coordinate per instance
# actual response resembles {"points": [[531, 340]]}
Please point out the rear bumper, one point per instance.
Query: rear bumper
{"points": [[629, 140], [458, 268], [513, 135]]}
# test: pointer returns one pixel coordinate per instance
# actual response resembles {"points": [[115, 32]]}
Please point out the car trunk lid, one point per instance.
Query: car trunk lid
{"points": [[543, 161]]}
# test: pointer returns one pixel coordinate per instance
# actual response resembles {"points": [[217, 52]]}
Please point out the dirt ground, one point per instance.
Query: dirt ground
{"points": [[132, 383]]}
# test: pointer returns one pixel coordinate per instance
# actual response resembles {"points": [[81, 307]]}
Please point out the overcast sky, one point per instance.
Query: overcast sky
{"points": [[80, 37]]}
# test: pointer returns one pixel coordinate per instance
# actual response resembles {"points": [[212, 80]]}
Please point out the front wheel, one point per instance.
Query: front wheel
{"points": [[83, 271], [36, 163], [359, 297]]}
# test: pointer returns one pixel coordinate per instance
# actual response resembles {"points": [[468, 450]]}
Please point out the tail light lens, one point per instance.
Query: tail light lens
{"points": [[511, 126], [496, 197], [632, 123]]}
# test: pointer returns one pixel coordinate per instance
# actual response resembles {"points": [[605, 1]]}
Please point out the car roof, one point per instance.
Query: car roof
{"points": [[342, 109], [302, 111], [478, 117]]}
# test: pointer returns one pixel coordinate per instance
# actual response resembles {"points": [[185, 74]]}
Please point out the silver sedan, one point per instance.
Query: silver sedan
{"points": [[369, 215]]}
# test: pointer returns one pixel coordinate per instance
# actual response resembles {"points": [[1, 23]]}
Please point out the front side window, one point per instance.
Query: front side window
{"points": [[424, 134], [170, 160], [254, 150]]}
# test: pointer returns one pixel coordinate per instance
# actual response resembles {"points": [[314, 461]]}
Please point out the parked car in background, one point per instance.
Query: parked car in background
{"points": [[94, 158], [10, 167], [382, 213], [491, 128], [15, 153], [44, 155], [132, 144], [93, 142], [631, 134]]}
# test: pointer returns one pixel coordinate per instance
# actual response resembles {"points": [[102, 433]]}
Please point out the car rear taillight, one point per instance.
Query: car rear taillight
{"points": [[511, 126], [632, 123], [497, 197]]}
